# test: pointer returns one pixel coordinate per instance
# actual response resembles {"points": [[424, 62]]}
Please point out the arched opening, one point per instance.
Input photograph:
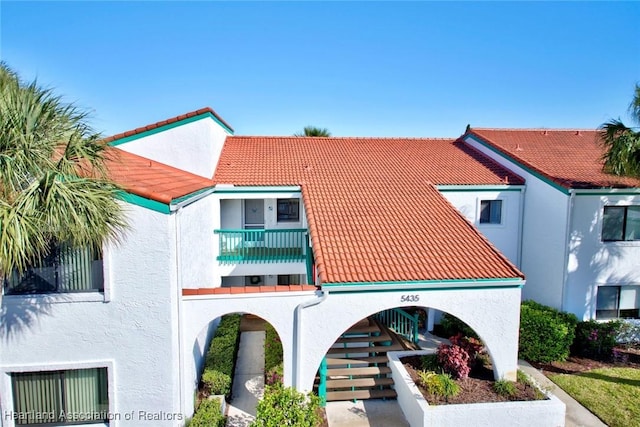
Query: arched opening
{"points": [[235, 355]]}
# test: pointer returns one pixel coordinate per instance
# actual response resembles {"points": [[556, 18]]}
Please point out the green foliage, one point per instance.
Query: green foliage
{"points": [[545, 333], [314, 131], [53, 184], [285, 406], [504, 388], [216, 382], [274, 375], [523, 378], [429, 362], [438, 384], [451, 326], [272, 349], [222, 354], [595, 339], [208, 414]]}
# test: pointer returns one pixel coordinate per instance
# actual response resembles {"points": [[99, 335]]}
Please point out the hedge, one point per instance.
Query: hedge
{"points": [[208, 414], [220, 362], [596, 339], [285, 406], [546, 334]]}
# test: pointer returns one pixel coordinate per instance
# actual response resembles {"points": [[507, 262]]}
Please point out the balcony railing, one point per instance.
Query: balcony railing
{"points": [[253, 246]]}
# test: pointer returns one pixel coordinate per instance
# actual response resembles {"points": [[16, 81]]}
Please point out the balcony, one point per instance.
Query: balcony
{"points": [[262, 246]]}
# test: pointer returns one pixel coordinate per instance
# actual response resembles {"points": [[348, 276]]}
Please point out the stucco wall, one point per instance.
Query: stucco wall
{"points": [[504, 236], [592, 262], [197, 243], [132, 332], [193, 147], [544, 234]]}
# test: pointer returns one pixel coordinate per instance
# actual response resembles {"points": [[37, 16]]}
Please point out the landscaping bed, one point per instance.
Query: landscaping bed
{"points": [[477, 388]]}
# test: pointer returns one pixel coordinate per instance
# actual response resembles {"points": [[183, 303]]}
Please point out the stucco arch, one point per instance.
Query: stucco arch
{"points": [[493, 312]]}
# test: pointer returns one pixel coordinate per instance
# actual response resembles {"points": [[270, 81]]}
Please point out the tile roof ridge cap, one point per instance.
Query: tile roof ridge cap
{"points": [[161, 123], [424, 138], [542, 129]]}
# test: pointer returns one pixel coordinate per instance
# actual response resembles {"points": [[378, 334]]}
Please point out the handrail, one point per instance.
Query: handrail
{"points": [[262, 245], [401, 322], [322, 386]]}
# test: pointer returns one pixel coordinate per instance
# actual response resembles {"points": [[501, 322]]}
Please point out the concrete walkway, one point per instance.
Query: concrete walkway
{"points": [[365, 413], [248, 381]]}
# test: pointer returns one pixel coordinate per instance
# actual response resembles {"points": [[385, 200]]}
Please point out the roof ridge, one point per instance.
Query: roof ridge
{"points": [[166, 122], [424, 138], [542, 129]]}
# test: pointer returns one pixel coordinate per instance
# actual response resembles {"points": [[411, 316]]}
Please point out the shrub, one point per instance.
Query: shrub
{"points": [[272, 349], [472, 346], [208, 414], [429, 362], [216, 382], [274, 375], [285, 406], [451, 325], [454, 360], [504, 388], [438, 384], [545, 333], [595, 339]]}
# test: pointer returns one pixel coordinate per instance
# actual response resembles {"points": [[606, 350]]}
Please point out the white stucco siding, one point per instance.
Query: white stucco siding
{"points": [[591, 261], [131, 334], [194, 146], [504, 236], [544, 234], [196, 224]]}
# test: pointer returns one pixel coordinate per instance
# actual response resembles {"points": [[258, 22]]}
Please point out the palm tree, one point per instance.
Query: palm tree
{"points": [[622, 143], [314, 131], [53, 186]]}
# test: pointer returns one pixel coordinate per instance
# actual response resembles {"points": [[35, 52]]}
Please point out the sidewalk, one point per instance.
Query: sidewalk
{"points": [[248, 381]]}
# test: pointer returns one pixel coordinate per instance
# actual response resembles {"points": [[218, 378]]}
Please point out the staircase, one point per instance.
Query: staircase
{"points": [[355, 367]]}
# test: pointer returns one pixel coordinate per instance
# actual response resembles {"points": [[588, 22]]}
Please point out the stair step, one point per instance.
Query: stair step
{"points": [[358, 382], [371, 349], [380, 338], [371, 370], [360, 394], [362, 329], [333, 361]]}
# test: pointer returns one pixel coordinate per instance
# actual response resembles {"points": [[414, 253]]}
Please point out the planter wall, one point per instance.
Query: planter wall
{"points": [[540, 413]]}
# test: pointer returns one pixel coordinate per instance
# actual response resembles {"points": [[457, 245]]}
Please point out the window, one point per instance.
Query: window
{"points": [[289, 279], [491, 212], [65, 269], [621, 223], [618, 301], [288, 210], [61, 397]]}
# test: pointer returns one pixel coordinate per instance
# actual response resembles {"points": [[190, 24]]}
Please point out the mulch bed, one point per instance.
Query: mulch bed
{"points": [[478, 388], [627, 357]]}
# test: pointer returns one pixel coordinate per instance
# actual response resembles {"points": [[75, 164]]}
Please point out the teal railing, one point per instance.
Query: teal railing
{"points": [[260, 245], [322, 386], [401, 322]]}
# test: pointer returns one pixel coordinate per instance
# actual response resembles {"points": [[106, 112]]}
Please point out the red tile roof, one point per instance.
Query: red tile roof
{"points": [[150, 179], [374, 214], [571, 158], [166, 122]]}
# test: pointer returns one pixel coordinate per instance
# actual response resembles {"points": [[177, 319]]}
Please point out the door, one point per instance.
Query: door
{"points": [[253, 214]]}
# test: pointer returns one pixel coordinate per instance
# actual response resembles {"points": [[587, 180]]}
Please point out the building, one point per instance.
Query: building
{"points": [[311, 234]]}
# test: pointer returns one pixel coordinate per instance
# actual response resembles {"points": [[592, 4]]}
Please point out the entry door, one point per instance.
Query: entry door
{"points": [[253, 213]]}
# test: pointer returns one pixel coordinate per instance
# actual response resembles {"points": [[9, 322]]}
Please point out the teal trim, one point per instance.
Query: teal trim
{"points": [[252, 190], [403, 323], [145, 203], [428, 282], [423, 289], [611, 192], [309, 258], [169, 126], [189, 196], [427, 285], [472, 188], [322, 386], [514, 160]]}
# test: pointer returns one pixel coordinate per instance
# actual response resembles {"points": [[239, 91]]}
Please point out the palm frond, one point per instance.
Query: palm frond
{"points": [[314, 131], [634, 107], [622, 149]]}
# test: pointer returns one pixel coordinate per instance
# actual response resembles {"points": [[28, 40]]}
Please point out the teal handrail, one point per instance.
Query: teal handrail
{"points": [[261, 245], [322, 386], [401, 322]]}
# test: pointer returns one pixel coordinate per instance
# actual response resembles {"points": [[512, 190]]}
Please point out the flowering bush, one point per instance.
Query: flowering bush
{"points": [[595, 339], [472, 346], [454, 360]]}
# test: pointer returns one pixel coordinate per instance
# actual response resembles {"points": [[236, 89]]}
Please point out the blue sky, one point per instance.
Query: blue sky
{"points": [[357, 68]]}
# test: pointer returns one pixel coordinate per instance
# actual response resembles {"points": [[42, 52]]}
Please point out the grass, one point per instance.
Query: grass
{"points": [[610, 393]]}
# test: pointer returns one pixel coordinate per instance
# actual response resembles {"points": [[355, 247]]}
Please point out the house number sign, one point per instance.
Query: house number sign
{"points": [[410, 298]]}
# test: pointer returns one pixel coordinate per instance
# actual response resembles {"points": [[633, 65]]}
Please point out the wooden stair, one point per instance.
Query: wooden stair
{"points": [[357, 364]]}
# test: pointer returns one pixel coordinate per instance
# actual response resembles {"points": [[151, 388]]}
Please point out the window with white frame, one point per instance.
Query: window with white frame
{"points": [[491, 212], [621, 223], [618, 302], [64, 269], [61, 397], [288, 210]]}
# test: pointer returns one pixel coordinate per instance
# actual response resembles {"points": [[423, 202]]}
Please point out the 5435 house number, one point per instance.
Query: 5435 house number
{"points": [[410, 298]]}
